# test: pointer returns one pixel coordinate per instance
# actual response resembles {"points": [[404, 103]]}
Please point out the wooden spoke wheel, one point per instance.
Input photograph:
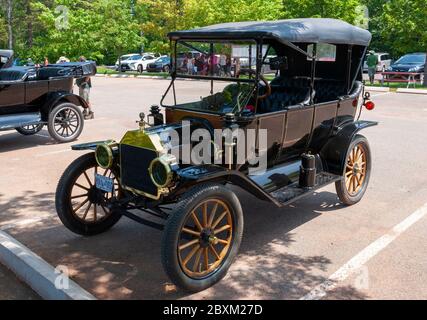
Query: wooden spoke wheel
{"points": [[355, 171], [81, 206], [205, 238], [88, 203], [352, 186], [202, 237]]}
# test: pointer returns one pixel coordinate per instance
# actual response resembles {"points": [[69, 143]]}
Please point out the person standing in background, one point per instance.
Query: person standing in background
{"points": [[372, 62], [46, 61], [85, 84]]}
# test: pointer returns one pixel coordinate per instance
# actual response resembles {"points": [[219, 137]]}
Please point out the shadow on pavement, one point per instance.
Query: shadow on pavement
{"points": [[124, 263], [15, 141]]}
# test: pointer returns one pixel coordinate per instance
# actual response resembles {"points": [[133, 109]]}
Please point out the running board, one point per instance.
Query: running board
{"points": [[8, 122], [293, 192]]}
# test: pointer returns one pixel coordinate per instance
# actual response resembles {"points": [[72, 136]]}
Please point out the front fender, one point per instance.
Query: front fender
{"points": [[334, 153], [88, 145]]}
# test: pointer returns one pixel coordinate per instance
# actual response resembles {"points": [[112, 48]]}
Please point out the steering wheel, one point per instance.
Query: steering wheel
{"points": [[267, 88], [263, 79]]}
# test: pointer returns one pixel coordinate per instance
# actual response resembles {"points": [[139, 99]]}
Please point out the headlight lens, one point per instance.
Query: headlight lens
{"points": [[104, 156], [161, 172]]}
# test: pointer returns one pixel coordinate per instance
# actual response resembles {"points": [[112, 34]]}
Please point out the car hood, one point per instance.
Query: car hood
{"points": [[8, 54], [404, 67]]}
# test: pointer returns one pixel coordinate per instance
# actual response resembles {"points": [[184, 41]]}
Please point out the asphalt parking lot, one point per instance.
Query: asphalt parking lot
{"points": [[285, 253]]}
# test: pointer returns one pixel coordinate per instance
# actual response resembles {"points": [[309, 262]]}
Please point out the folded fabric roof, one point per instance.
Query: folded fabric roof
{"points": [[310, 30]]}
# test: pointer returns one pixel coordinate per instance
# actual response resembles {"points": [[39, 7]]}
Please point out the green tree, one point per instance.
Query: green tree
{"points": [[164, 16], [402, 25], [98, 29], [347, 10]]}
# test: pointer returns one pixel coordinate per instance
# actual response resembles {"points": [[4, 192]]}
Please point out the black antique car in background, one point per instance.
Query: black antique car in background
{"points": [[310, 109], [32, 97]]}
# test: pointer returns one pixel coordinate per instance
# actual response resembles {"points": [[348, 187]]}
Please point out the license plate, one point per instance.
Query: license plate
{"points": [[104, 183]]}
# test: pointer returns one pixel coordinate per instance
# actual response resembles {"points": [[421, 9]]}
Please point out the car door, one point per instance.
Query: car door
{"points": [[297, 130], [274, 125], [12, 96]]}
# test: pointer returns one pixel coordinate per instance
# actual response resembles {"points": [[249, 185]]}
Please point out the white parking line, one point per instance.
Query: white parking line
{"points": [[364, 256]]}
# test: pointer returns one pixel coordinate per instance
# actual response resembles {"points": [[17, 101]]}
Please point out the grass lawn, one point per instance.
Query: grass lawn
{"points": [[104, 70], [396, 85]]}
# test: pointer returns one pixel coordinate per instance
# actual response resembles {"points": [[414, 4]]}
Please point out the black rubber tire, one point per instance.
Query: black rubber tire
{"points": [[51, 125], [30, 132], [166, 69], [140, 68], [340, 186], [173, 227], [63, 203]]}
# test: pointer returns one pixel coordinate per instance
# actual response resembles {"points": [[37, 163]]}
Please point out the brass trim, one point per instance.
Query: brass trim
{"points": [[108, 147]]}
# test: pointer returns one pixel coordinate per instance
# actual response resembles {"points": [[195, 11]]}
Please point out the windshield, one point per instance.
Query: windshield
{"points": [[134, 58], [412, 59], [226, 71]]}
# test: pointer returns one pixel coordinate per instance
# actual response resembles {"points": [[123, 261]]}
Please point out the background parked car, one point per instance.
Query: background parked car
{"points": [[162, 64], [412, 62], [384, 62], [122, 58], [138, 62]]}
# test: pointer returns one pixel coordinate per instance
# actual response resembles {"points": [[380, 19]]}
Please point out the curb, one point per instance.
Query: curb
{"points": [[378, 89], [130, 76], [37, 273], [412, 91]]}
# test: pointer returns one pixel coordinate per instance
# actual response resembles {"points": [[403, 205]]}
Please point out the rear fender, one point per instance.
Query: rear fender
{"points": [[56, 98], [334, 153]]}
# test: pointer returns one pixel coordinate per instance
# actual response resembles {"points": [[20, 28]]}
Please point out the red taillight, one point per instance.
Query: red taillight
{"points": [[355, 102], [369, 105]]}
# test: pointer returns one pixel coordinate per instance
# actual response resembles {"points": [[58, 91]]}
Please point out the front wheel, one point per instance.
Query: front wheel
{"points": [[355, 179], [80, 205], [65, 122], [202, 237], [140, 69], [30, 129]]}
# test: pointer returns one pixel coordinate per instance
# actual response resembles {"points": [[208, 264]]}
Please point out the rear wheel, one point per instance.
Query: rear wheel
{"points": [[30, 129], [202, 237], [79, 204], [355, 180], [140, 68], [166, 69], [65, 122]]}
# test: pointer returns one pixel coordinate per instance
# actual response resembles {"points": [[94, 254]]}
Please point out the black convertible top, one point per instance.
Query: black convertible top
{"points": [[310, 30]]}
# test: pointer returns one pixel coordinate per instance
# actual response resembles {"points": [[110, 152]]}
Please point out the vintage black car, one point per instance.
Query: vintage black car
{"points": [[310, 111], [32, 97]]}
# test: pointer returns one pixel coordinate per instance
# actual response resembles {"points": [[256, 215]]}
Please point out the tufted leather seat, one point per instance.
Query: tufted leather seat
{"points": [[328, 90], [283, 98]]}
